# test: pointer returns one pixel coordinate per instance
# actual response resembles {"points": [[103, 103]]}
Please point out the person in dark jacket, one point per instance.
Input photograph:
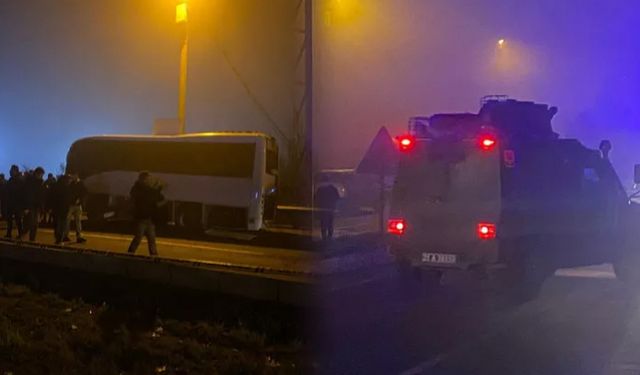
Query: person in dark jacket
{"points": [[34, 199], [15, 201], [326, 199], [3, 198], [49, 184], [61, 199], [146, 199]]}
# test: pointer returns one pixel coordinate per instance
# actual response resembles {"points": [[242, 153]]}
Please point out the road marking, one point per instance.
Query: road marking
{"points": [[591, 273]]}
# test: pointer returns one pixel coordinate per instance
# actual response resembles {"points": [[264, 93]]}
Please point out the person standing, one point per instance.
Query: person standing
{"points": [[146, 199], [61, 201], [34, 198], [3, 198], [78, 196], [15, 201], [326, 199], [49, 184]]}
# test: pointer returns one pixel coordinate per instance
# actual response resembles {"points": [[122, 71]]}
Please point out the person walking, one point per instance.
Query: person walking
{"points": [[78, 195], [146, 198], [15, 201], [34, 199], [61, 201], [326, 198]]}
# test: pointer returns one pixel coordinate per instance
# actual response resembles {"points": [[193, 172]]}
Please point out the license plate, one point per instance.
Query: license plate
{"points": [[439, 258]]}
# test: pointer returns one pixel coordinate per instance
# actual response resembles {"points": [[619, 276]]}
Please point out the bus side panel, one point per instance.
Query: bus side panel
{"points": [[228, 176], [217, 191]]}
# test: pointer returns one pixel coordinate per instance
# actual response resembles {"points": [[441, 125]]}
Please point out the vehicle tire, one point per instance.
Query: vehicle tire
{"points": [[191, 216], [97, 206], [529, 271], [627, 264]]}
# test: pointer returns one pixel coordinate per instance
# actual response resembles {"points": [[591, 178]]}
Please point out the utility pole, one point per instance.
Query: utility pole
{"points": [[306, 168], [182, 19], [308, 94], [300, 148]]}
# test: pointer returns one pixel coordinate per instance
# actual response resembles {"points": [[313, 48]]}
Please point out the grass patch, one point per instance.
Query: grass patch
{"points": [[43, 333]]}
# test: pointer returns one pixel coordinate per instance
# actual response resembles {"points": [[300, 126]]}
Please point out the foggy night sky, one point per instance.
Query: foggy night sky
{"points": [[72, 68], [379, 62]]}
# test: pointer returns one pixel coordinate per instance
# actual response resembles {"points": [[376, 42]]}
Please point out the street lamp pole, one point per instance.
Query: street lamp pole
{"points": [[181, 18], [308, 93]]}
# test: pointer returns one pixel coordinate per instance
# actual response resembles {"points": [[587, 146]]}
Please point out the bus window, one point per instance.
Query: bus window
{"points": [[192, 158]]}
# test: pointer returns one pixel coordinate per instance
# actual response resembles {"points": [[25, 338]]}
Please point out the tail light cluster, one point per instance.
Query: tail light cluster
{"points": [[406, 142], [396, 226], [486, 142], [484, 231]]}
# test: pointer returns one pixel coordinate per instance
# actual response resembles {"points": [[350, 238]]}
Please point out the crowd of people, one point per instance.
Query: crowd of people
{"points": [[28, 200]]}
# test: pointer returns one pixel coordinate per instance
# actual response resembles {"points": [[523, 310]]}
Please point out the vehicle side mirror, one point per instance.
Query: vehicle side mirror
{"points": [[636, 174]]}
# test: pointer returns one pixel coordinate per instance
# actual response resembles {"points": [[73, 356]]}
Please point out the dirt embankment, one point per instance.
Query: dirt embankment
{"points": [[41, 333]]}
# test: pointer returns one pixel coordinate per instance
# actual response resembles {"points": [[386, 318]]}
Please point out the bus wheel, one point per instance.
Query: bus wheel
{"points": [[96, 207], [191, 214]]}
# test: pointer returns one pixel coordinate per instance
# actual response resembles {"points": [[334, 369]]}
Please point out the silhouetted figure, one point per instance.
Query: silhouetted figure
{"points": [[326, 197], [15, 201], [61, 201], [34, 199], [78, 196], [146, 199], [3, 197], [49, 184], [605, 149]]}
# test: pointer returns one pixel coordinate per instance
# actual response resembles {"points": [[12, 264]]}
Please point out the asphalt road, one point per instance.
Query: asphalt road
{"points": [[584, 322]]}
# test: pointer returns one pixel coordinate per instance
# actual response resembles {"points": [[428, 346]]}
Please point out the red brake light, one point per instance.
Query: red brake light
{"points": [[486, 231], [406, 142], [487, 142], [396, 226]]}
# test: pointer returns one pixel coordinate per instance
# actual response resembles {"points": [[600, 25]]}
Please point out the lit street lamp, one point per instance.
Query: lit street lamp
{"points": [[182, 18]]}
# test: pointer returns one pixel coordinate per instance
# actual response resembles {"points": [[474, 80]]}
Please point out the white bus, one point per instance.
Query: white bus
{"points": [[221, 179]]}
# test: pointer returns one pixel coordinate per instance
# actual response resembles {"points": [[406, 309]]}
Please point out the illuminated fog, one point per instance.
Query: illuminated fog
{"points": [[74, 68], [380, 62]]}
